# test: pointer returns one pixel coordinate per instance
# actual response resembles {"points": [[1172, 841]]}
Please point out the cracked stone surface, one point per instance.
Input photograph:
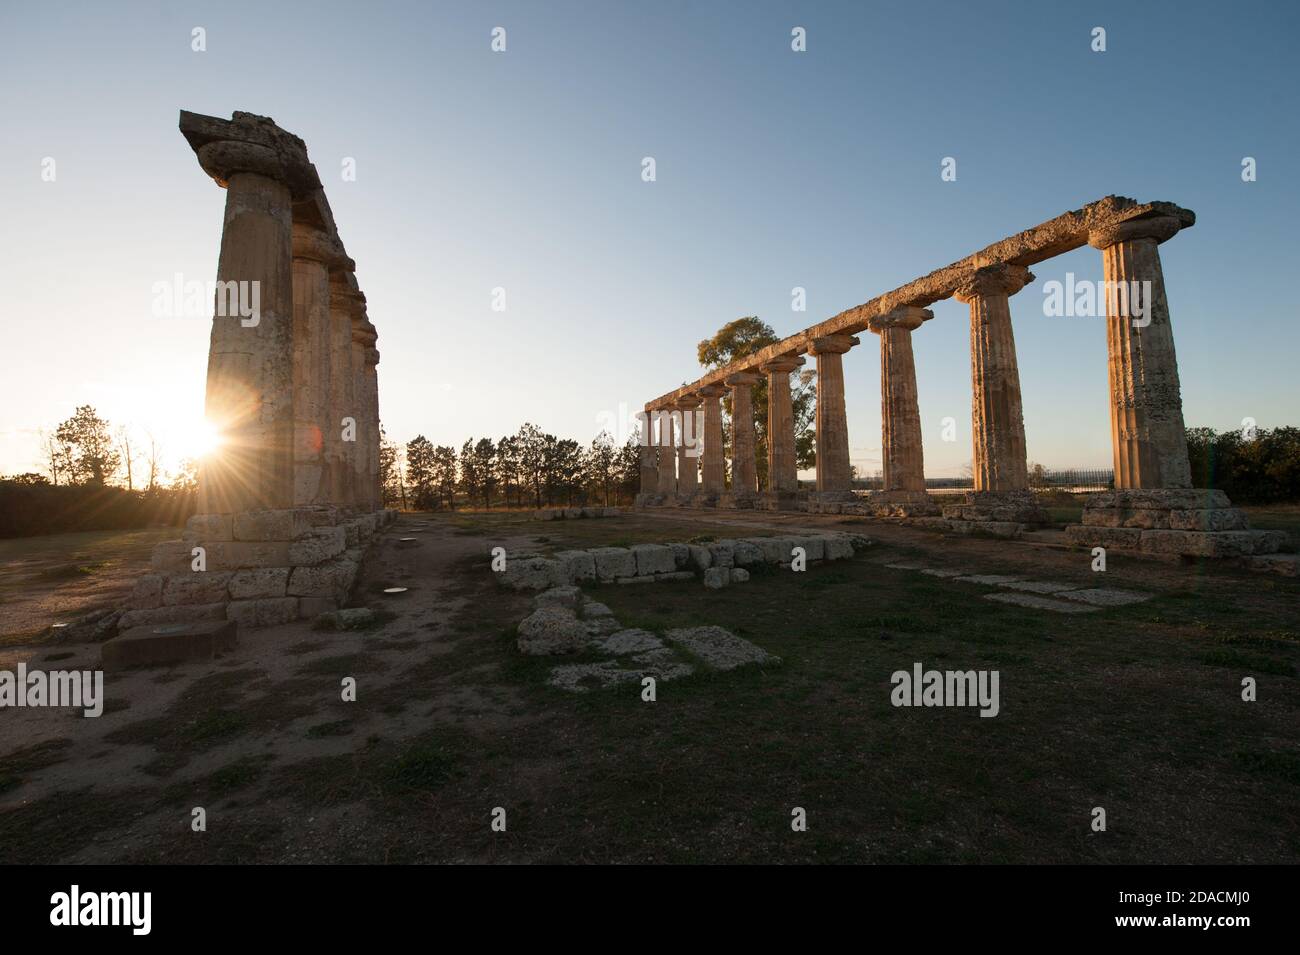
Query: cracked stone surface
{"points": [[1038, 586], [719, 648], [628, 641], [1041, 603], [941, 572], [992, 580], [1106, 596]]}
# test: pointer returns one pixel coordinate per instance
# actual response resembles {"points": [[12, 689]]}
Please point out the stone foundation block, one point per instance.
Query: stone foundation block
{"points": [[1212, 543], [171, 557], [147, 593], [320, 545], [263, 613], [653, 559], [747, 553], [333, 579], [578, 564], [700, 557], [1125, 538], [723, 553], [195, 588], [1160, 498], [309, 608], [270, 525], [1218, 519], [715, 578], [529, 573], [183, 613], [260, 584], [208, 527], [614, 562], [237, 555], [163, 645]]}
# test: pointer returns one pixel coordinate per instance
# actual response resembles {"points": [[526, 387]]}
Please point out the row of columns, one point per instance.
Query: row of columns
{"points": [[1149, 443], [293, 393]]}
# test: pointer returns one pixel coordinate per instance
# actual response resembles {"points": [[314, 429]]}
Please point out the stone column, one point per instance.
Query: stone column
{"points": [[744, 472], [834, 476], [782, 469], [713, 467], [649, 467], [365, 457], [315, 444], [1146, 406], [345, 303], [667, 456], [900, 415], [997, 420], [1000, 467], [249, 398], [687, 422]]}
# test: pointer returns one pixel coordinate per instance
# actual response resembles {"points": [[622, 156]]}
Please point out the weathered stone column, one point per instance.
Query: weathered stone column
{"points": [[345, 303], [1146, 406], [649, 466], [834, 475], [249, 396], [364, 360], [688, 447], [997, 419], [744, 471], [315, 441], [713, 468], [667, 454], [900, 414], [1001, 471], [782, 468]]}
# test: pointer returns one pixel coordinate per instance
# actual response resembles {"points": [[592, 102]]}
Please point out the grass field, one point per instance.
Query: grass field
{"points": [[1136, 709]]}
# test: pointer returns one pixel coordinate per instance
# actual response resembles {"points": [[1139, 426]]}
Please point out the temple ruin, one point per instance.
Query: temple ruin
{"points": [[291, 496], [1154, 507]]}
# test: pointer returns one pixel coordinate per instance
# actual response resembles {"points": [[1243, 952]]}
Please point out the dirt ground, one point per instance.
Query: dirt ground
{"points": [[1136, 708]]}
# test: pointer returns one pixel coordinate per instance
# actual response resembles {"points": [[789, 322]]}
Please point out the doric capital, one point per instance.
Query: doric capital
{"points": [[1001, 279], [905, 316], [363, 333], [783, 364], [711, 392], [743, 378], [249, 143], [833, 344], [1160, 228], [687, 403], [311, 242]]}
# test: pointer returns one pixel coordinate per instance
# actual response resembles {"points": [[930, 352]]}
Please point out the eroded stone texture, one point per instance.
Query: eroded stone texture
{"points": [[667, 453], [997, 419], [782, 470], [833, 472], [687, 422], [713, 465], [744, 470], [900, 415], [1146, 406]]}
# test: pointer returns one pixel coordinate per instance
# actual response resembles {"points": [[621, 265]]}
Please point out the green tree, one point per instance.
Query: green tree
{"points": [[444, 474], [507, 468], [420, 472], [90, 444], [740, 339]]}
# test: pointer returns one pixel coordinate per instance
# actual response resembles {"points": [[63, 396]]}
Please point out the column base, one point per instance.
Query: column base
{"points": [[777, 501], [1182, 522], [901, 504], [998, 507], [738, 500]]}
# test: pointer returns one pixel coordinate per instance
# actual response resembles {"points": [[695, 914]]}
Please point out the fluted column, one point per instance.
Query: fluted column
{"points": [[316, 453], [782, 470], [744, 472], [687, 421], [834, 473], [649, 468], [997, 419], [345, 302], [249, 398], [1146, 406], [900, 416], [713, 468], [667, 453], [365, 389]]}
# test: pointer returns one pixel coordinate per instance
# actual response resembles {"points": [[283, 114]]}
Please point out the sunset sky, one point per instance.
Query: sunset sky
{"points": [[522, 170]]}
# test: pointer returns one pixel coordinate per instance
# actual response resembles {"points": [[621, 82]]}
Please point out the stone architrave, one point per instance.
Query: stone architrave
{"points": [[834, 473], [1146, 406], [782, 468], [744, 470]]}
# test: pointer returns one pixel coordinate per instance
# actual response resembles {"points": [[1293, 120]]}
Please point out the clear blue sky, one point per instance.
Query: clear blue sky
{"points": [[774, 169]]}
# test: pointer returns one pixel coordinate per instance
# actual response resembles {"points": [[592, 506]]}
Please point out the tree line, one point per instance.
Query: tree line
{"points": [[530, 468]]}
